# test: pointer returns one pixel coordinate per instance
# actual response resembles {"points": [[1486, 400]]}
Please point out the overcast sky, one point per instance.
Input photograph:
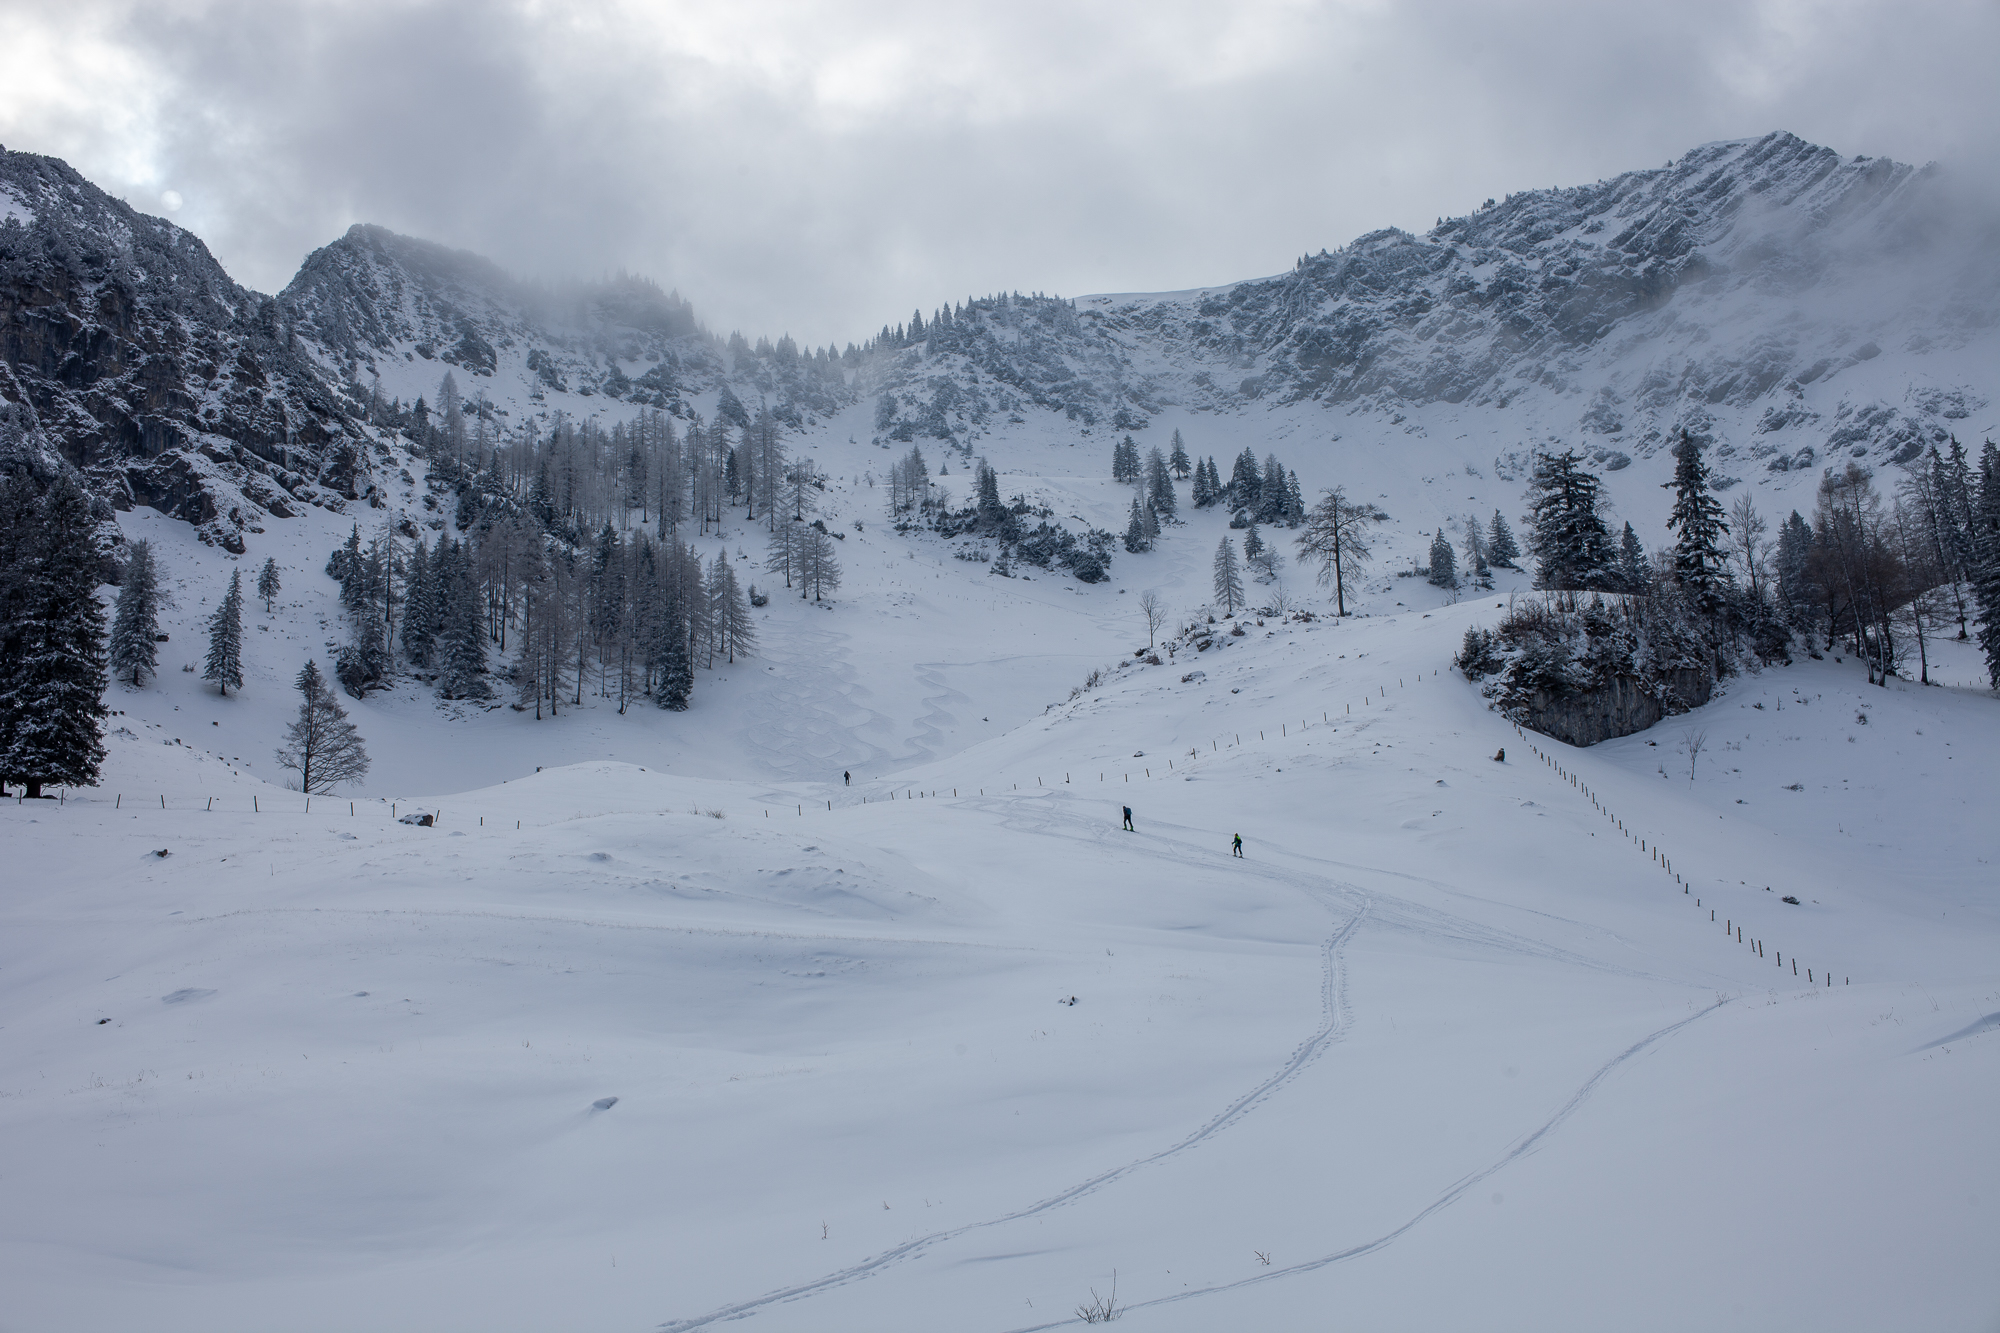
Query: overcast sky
{"points": [[823, 168]]}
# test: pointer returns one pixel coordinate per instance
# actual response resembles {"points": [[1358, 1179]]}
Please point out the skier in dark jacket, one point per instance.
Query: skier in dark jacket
{"points": [[1128, 819], [1237, 848], [847, 779]]}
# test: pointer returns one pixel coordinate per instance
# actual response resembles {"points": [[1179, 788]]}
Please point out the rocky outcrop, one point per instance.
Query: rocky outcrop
{"points": [[1728, 293], [1621, 707], [138, 354]]}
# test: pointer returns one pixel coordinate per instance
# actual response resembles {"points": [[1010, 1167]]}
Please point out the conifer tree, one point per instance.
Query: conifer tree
{"points": [[225, 639], [1178, 459], [1246, 483], [1152, 522], [1159, 486], [1501, 548], [420, 607], [1444, 564], [1253, 546], [1567, 536], [463, 669], [1633, 576], [1794, 569], [1272, 498], [321, 745], [135, 630], [992, 513], [268, 585], [1228, 577], [52, 653], [1135, 529], [1698, 554], [674, 669], [1475, 552], [781, 556], [1986, 553], [820, 571], [734, 634]]}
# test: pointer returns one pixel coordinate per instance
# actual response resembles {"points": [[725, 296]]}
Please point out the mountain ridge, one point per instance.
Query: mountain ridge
{"points": [[1756, 293]]}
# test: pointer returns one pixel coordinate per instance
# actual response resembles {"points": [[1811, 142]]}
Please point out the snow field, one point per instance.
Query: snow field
{"points": [[1444, 1047], [1434, 980]]}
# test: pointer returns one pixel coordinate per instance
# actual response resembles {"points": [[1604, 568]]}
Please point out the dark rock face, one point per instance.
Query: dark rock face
{"points": [[1622, 707], [138, 354]]}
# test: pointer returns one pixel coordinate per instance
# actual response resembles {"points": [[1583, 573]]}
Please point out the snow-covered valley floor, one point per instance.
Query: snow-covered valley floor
{"points": [[947, 1048], [1443, 1046]]}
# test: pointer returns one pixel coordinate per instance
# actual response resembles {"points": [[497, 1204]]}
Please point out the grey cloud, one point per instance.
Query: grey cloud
{"points": [[763, 172]]}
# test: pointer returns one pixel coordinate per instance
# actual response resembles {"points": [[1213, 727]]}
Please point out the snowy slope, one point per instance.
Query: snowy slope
{"points": [[1443, 1018]]}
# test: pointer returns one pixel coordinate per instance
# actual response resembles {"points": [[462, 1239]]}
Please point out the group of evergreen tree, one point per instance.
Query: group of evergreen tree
{"points": [[444, 617], [1485, 547], [1125, 462], [550, 580], [1255, 493], [1155, 503], [1886, 576], [623, 617]]}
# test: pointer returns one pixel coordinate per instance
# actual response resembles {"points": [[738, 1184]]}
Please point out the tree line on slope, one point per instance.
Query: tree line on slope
{"points": [[573, 564], [1882, 578]]}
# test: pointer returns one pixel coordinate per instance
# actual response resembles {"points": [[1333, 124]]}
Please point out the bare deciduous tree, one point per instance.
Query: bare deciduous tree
{"points": [[1695, 741], [1154, 610]]}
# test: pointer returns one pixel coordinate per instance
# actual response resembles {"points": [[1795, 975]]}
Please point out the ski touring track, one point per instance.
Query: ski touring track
{"points": [[1334, 1020], [1051, 818], [817, 711], [1521, 1147]]}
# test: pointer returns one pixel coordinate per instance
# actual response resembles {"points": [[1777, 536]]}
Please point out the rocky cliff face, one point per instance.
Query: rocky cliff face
{"points": [[165, 382], [1622, 706]]}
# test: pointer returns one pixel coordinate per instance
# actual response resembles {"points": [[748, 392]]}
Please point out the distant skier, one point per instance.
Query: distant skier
{"points": [[1500, 755], [847, 779], [1237, 849], [1128, 819]]}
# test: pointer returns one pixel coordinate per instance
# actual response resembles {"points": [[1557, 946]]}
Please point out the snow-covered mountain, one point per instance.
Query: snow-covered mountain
{"points": [[1766, 294], [1781, 301], [376, 306]]}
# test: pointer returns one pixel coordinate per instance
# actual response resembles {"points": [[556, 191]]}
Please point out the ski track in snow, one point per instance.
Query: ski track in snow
{"points": [[818, 709], [930, 739], [1334, 1021], [1521, 1148]]}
